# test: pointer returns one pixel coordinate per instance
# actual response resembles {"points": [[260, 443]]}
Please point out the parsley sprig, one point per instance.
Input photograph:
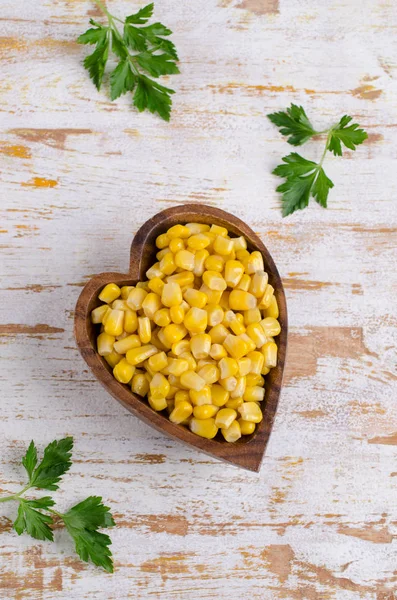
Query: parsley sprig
{"points": [[82, 521], [305, 178], [139, 49]]}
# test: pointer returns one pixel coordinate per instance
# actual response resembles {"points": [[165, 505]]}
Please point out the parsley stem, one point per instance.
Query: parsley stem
{"points": [[54, 512], [15, 496], [8, 498]]}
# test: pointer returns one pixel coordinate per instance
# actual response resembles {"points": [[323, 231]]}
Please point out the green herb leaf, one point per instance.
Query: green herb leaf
{"points": [[321, 187], [29, 461], [55, 463], [153, 96], [142, 15], [95, 63], [157, 64], [122, 80], [93, 36], [33, 521], [134, 38], [293, 122], [350, 136]]}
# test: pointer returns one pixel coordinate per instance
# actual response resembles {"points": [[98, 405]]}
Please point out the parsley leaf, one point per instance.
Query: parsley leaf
{"points": [[153, 96], [34, 522], [350, 136], [55, 463], [142, 15], [29, 461], [293, 122]]}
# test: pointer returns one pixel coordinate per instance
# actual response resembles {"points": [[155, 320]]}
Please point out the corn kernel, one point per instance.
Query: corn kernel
{"points": [[229, 383], [233, 322], [139, 384], [250, 344], [123, 371], [228, 367], [205, 411], [235, 346], [159, 386], [144, 329], [254, 379], [195, 298], [119, 304], [239, 243], [181, 396], [272, 309], [197, 228], [136, 298], [198, 241], [114, 322], [113, 358], [254, 263], [244, 283], [218, 334], [161, 253], [139, 355], [182, 411], [125, 291], [215, 314], [246, 427], [225, 417], [178, 231], [270, 326], [105, 344], [265, 370], [244, 366], [214, 263], [199, 262], [214, 281], [252, 316], [257, 361], [176, 244], [174, 381], [177, 314], [232, 433], [156, 285], [184, 260], [180, 347], [158, 361], [110, 292], [270, 353], [172, 333], [242, 255], [201, 397], [167, 264], [240, 300], [143, 285], [154, 272], [162, 241], [157, 403], [205, 428], [223, 245], [127, 343], [250, 411], [192, 381], [151, 304], [254, 394], [257, 335], [98, 313], [213, 296], [258, 284], [200, 345], [234, 403], [162, 317], [217, 351], [184, 278], [196, 320], [240, 388], [234, 270], [218, 230], [210, 373], [177, 366], [219, 395], [267, 298]]}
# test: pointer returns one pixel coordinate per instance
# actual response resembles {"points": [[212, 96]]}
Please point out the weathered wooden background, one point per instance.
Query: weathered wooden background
{"points": [[80, 174]]}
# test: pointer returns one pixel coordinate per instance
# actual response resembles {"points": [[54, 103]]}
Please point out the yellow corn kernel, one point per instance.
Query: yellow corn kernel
{"points": [[225, 417], [200, 345], [119, 304], [171, 294], [218, 230], [242, 255], [239, 243], [139, 355], [162, 241], [213, 296], [270, 326], [114, 322], [229, 383], [254, 379], [210, 373], [232, 433], [254, 263], [98, 313], [215, 314], [234, 270], [228, 367], [172, 333], [218, 334], [170, 405], [105, 344], [127, 343], [177, 314], [110, 292], [214, 281], [167, 264], [267, 298], [144, 329], [157, 403], [113, 358], [154, 272], [199, 262], [196, 320], [179, 348], [136, 298], [156, 285], [223, 245], [235, 346], [224, 300], [174, 381], [244, 283], [158, 361], [197, 228], [257, 335], [176, 244], [240, 388], [244, 366], [182, 411], [155, 340], [272, 309], [254, 394], [205, 428], [143, 285], [240, 300], [214, 263], [190, 359], [195, 298], [184, 260], [198, 241], [258, 283], [178, 231], [184, 278], [151, 304], [252, 316], [265, 370], [125, 291], [140, 384], [181, 396], [177, 366], [201, 362], [234, 403], [270, 353], [217, 351], [122, 336], [162, 317], [192, 381], [250, 344], [233, 322], [246, 427], [219, 395], [198, 398], [161, 253], [257, 361], [250, 411], [205, 411], [123, 371], [172, 392], [159, 386]]}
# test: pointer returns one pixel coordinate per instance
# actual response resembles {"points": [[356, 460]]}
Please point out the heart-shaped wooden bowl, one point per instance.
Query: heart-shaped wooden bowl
{"points": [[248, 451]]}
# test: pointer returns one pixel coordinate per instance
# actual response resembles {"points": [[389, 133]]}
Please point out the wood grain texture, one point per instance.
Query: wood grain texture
{"points": [[319, 520]]}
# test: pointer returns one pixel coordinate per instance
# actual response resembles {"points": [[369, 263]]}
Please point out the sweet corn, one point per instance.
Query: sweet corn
{"points": [[105, 344], [250, 343], [250, 411], [235, 346], [234, 403], [162, 241], [244, 283], [252, 316], [241, 300], [196, 320], [176, 244], [162, 317], [179, 231], [110, 292], [159, 386], [213, 296], [144, 329], [223, 245], [228, 367], [136, 356], [119, 304], [190, 360], [272, 309], [98, 313], [217, 351], [257, 361], [158, 361], [205, 411], [198, 241], [182, 411], [123, 371], [246, 427], [234, 270], [177, 366], [174, 381], [200, 345], [218, 334], [270, 353], [181, 396], [114, 322], [127, 343], [140, 384], [214, 262], [184, 278], [136, 298], [192, 381], [179, 348], [214, 280], [171, 294], [125, 290], [199, 262], [254, 379], [195, 298], [167, 264], [177, 314], [113, 358], [197, 227], [184, 260], [157, 403], [210, 373], [232, 321], [215, 314], [231, 433], [254, 394], [240, 388], [239, 243], [257, 335], [244, 366], [254, 263], [229, 383], [161, 253], [156, 285], [155, 272], [205, 428], [172, 333], [267, 298], [219, 395], [218, 230], [225, 417], [270, 326]]}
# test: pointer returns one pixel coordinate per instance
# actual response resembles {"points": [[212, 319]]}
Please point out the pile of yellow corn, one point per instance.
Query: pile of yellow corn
{"points": [[196, 338]]}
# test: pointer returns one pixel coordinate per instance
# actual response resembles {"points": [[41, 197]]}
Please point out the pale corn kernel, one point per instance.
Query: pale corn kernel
{"points": [[234, 270], [270, 326], [119, 304], [171, 294], [178, 231], [232, 433], [176, 244], [272, 310], [225, 417], [177, 314], [240, 388], [157, 403], [219, 396], [123, 371], [162, 253], [98, 313], [151, 304], [254, 263], [250, 411], [159, 386], [136, 298], [241, 300], [198, 241], [270, 353], [214, 281], [246, 427], [195, 298], [125, 291], [229, 383], [197, 227], [180, 347], [113, 358], [258, 284], [184, 260], [192, 381], [136, 356], [257, 361], [201, 362], [215, 314], [257, 335], [155, 272], [196, 320], [214, 262], [127, 343], [213, 296], [267, 297], [228, 367], [254, 394], [235, 346], [177, 366], [250, 343], [162, 317], [254, 379], [239, 243], [114, 322], [182, 411], [172, 333], [205, 428], [181, 396], [202, 397], [110, 292], [223, 245], [218, 334], [156, 285], [162, 241], [234, 403], [205, 411], [184, 278], [217, 351], [190, 359], [122, 336], [158, 361], [199, 262], [144, 329], [252, 316], [244, 283], [174, 381], [210, 373], [200, 345], [244, 366], [167, 264], [232, 321]]}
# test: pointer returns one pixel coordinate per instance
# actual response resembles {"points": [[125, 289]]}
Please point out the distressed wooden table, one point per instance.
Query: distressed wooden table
{"points": [[80, 174]]}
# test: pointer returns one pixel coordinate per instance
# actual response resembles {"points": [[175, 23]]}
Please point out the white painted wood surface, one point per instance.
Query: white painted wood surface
{"points": [[80, 174]]}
